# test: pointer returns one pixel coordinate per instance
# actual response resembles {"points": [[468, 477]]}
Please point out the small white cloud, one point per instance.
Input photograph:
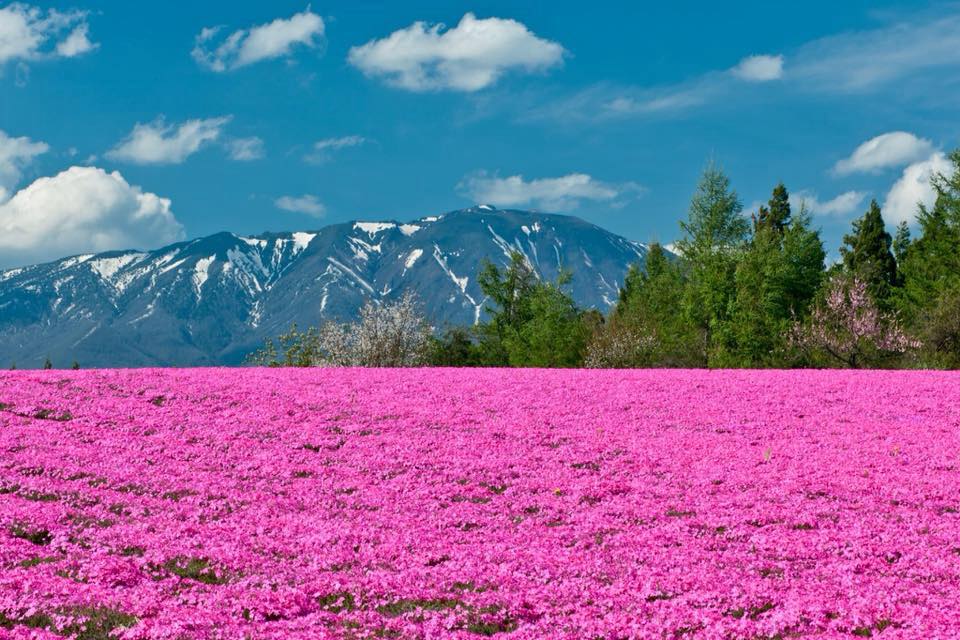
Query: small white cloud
{"points": [[27, 33], [308, 204], [15, 154], [322, 149], [77, 43], [82, 210], [245, 149], [275, 39], [893, 149], [914, 188], [759, 68], [469, 57], [843, 205], [563, 193], [160, 143]]}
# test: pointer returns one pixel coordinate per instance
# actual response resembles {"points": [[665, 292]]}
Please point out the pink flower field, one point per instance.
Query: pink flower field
{"points": [[324, 503]]}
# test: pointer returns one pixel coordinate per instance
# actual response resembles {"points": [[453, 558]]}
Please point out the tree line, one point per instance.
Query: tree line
{"points": [[735, 292]]}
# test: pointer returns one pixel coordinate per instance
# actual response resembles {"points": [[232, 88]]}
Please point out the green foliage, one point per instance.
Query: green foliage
{"points": [[929, 299], [777, 277], [47, 364], [735, 295], [715, 235], [868, 254], [293, 349], [776, 214], [456, 347], [532, 323], [645, 328]]}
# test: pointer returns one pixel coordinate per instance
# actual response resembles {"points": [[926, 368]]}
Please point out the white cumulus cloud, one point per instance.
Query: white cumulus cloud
{"points": [[82, 210], [308, 204], [160, 143], [469, 57], [562, 193], [840, 206], [275, 39], [763, 68], [914, 188], [15, 154], [893, 149], [29, 33]]}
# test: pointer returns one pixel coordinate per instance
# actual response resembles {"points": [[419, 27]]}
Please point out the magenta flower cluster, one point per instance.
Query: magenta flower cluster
{"points": [[419, 503]]}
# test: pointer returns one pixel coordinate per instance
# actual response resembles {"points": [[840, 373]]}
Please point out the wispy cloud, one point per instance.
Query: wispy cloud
{"points": [[275, 39], [323, 150], [558, 194], [245, 149], [854, 62], [864, 60]]}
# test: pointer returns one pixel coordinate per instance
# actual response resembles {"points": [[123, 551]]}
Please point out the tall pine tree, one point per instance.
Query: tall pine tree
{"points": [[714, 235], [867, 253], [776, 278], [776, 214]]}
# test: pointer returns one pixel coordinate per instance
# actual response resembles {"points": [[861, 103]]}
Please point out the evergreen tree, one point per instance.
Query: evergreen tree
{"points": [[714, 235], [776, 215], [532, 323], [930, 297], [75, 366], [47, 364], [901, 243], [776, 279], [645, 328], [867, 254]]}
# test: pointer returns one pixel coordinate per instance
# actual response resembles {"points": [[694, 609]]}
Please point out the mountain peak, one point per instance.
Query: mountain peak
{"points": [[213, 299]]}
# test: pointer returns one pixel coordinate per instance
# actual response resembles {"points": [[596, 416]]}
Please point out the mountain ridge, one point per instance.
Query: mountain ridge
{"points": [[211, 300]]}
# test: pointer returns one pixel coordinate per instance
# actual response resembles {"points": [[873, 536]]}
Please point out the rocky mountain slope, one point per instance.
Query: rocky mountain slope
{"points": [[212, 300]]}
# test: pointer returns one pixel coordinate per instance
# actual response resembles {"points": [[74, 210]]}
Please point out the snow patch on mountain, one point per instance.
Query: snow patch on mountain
{"points": [[108, 267], [373, 228], [302, 240], [412, 258], [201, 273]]}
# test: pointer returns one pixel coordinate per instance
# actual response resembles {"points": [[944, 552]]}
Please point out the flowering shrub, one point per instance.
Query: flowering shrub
{"points": [[850, 329], [424, 503], [394, 334]]}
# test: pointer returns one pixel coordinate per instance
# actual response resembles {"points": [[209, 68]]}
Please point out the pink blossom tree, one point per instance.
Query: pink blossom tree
{"points": [[849, 328]]}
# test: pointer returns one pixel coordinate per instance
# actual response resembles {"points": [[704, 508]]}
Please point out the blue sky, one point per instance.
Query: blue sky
{"points": [[133, 124]]}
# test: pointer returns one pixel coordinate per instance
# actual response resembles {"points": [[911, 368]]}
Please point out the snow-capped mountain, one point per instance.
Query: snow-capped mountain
{"points": [[212, 300]]}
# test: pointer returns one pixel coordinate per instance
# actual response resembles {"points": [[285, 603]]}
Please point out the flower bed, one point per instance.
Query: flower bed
{"points": [[263, 503]]}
